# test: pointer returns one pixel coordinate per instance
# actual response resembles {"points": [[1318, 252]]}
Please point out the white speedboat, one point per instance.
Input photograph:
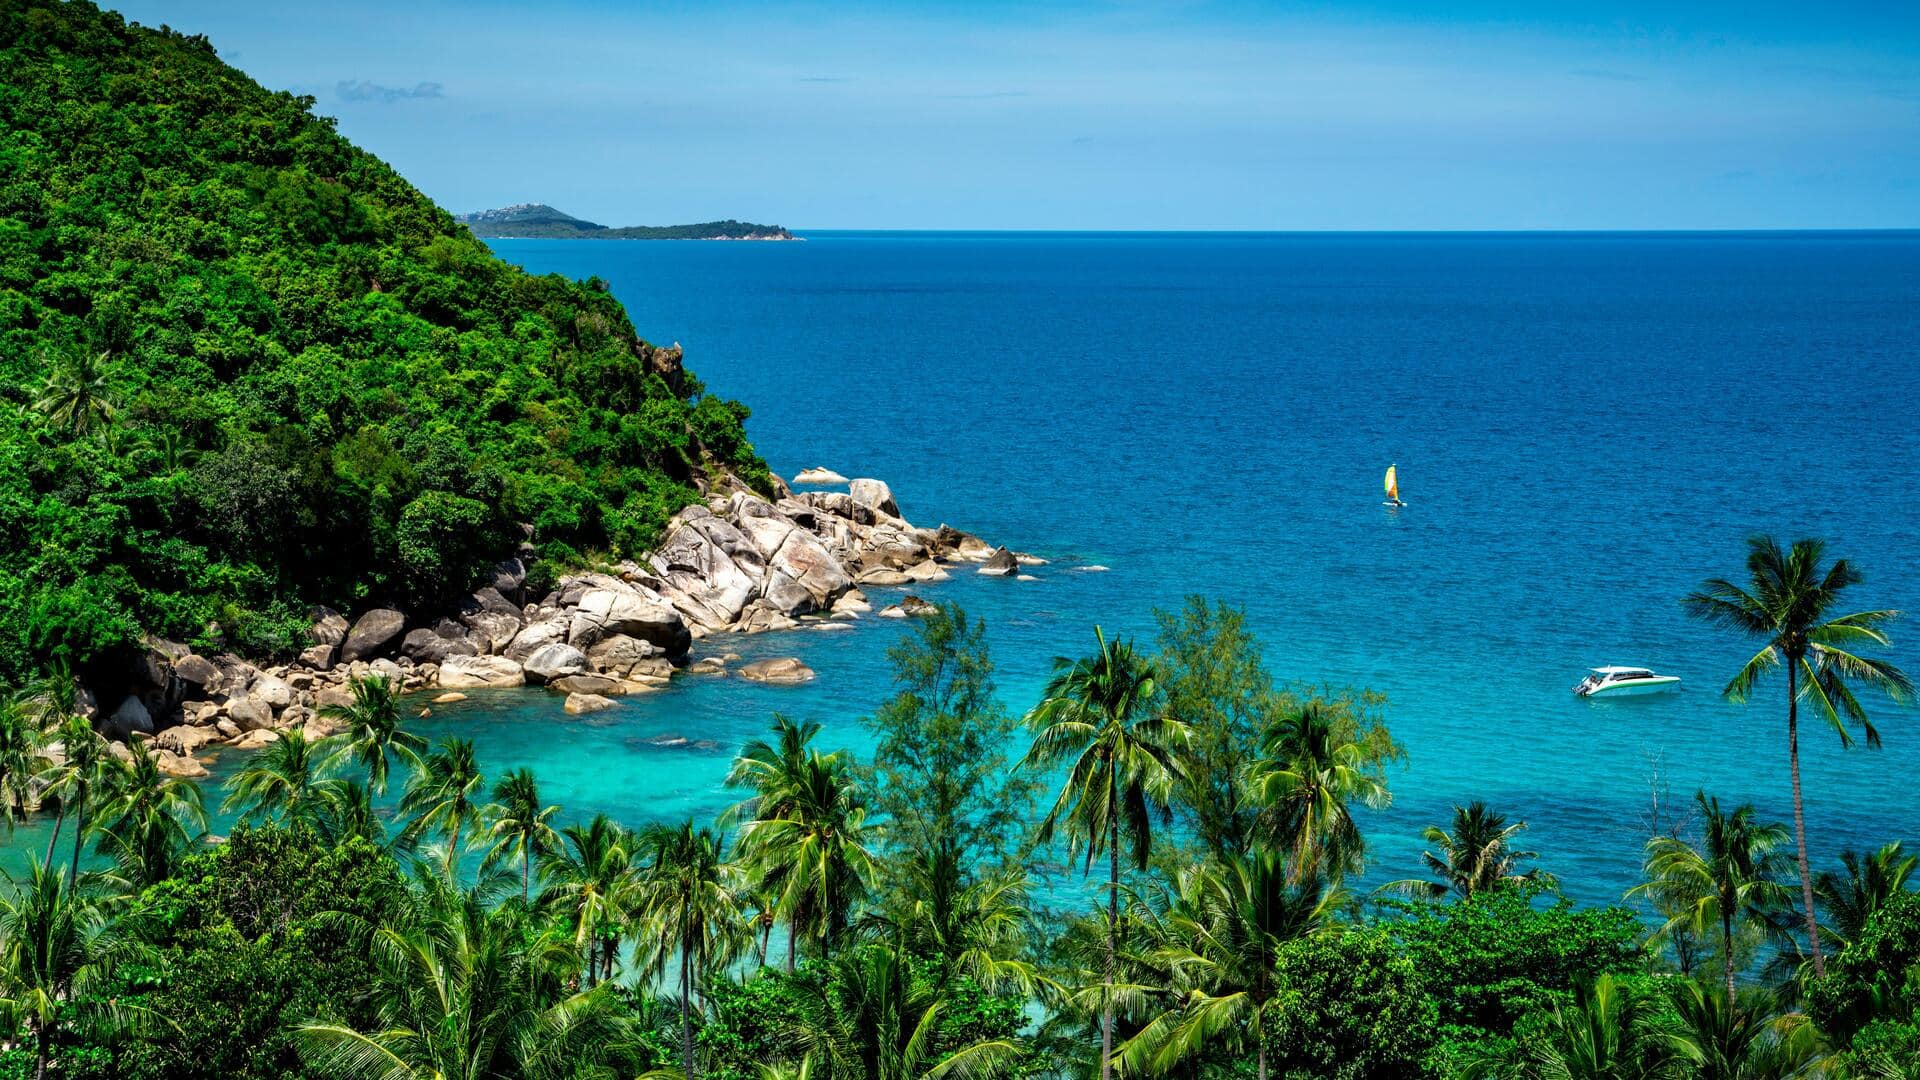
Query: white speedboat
{"points": [[1623, 681]]}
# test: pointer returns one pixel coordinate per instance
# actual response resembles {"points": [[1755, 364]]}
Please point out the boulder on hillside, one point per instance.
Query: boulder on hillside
{"points": [[319, 657], [1001, 563], [779, 670], [127, 719], [552, 661], [373, 634], [274, 692], [199, 674], [430, 647], [329, 627], [469, 672], [760, 617], [633, 614], [709, 570], [536, 636], [185, 740], [491, 631], [874, 493], [490, 599], [249, 713], [508, 575], [616, 654]]}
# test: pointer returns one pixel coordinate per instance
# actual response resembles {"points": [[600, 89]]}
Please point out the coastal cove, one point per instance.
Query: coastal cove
{"points": [[1584, 430]]}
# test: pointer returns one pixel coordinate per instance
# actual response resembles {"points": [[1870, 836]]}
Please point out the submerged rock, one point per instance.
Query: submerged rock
{"points": [[581, 704], [780, 670]]}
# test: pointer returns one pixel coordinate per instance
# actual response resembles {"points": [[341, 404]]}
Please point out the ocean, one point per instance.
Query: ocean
{"points": [[1586, 426]]}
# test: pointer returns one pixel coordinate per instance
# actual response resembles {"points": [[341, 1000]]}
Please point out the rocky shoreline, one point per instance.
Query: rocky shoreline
{"points": [[739, 563]]}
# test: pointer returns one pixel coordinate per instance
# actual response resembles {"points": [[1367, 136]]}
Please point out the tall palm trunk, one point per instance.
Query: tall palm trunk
{"points": [[59, 819], [453, 847], [687, 1067], [1260, 1057], [41, 1051], [1113, 925], [1726, 946], [526, 874], [1800, 815], [79, 831]]}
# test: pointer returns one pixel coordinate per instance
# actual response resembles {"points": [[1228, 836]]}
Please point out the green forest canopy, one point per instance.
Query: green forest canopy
{"points": [[245, 366]]}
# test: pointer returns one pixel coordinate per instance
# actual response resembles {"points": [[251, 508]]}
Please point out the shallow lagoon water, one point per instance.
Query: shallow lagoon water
{"points": [[1585, 425]]}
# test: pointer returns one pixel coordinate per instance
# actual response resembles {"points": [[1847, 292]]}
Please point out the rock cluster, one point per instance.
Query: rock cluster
{"points": [[738, 563]]}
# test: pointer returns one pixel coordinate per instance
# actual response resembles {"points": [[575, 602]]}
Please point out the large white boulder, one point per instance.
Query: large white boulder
{"points": [[470, 672]]}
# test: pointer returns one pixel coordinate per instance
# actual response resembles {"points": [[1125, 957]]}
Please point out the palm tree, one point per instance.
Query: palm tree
{"points": [[592, 882], [1220, 942], [57, 945], [284, 783], [440, 795], [1870, 883], [1788, 605], [770, 770], [149, 818], [520, 827], [1717, 1037], [1097, 713], [346, 810], [473, 991], [1606, 1033], [691, 898], [75, 395], [72, 783], [813, 857], [877, 1017], [373, 735], [1732, 877], [1476, 855], [978, 929], [23, 757], [1314, 765]]}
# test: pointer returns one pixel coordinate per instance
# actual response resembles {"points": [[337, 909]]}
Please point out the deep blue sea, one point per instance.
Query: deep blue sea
{"points": [[1586, 426]]}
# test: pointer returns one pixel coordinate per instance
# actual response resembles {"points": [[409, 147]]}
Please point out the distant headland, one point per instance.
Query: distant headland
{"points": [[538, 220]]}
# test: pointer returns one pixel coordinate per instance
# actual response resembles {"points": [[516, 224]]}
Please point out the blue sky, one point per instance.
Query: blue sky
{"points": [[1118, 114]]}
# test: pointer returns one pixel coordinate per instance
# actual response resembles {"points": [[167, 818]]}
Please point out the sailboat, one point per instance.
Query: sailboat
{"points": [[1393, 487]]}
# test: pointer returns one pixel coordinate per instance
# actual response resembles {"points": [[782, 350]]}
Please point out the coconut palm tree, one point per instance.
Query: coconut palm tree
{"points": [[1869, 884], [592, 884], [284, 783], [75, 396], [770, 770], [1789, 605], [57, 944], [813, 857], [23, 757], [1717, 1037], [878, 1017], [72, 783], [1732, 877], [520, 828], [690, 898], [373, 735], [470, 990], [148, 818], [1220, 942], [1122, 758], [1606, 1033], [442, 796], [979, 929], [1314, 766], [346, 811], [1476, 855]]}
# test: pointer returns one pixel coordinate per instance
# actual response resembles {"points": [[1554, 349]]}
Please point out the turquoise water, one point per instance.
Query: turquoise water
{"points": [[1586, 426]]}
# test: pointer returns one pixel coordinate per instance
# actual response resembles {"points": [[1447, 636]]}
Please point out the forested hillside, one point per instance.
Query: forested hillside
{"points": [[245, 366]]}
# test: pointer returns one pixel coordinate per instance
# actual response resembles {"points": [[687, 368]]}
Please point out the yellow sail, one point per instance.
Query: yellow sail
{"points": [[1393, 485]]}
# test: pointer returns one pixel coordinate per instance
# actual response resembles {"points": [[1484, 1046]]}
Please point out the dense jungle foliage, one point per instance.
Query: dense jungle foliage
{"points": [[245, 367]]}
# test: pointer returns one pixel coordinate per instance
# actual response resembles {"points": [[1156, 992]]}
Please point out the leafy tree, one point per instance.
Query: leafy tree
{"points": [[1215, 683], [1096, 717], [1876, 979], [1353, 1009], [373, 735], [1788, 604]]}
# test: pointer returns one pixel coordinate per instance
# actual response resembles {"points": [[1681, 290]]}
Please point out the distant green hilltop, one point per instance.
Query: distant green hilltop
{"points": [[539, 220]]}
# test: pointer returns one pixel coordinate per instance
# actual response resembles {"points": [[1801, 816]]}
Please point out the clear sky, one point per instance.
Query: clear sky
{"points": [[1630, 114]]}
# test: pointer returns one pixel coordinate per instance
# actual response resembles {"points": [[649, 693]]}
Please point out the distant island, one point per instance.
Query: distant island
{"points": [[538, 220]]}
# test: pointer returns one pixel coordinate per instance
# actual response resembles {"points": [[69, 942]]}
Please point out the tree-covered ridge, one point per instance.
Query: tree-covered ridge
{"points": [[245, 366], [540, 221]]}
